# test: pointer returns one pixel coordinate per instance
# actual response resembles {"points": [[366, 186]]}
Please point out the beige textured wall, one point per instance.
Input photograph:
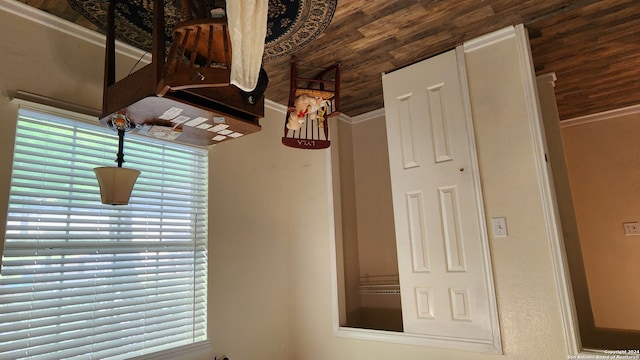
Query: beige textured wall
{"points": [[376, 234], [348, 241], [268, 221], [602, 158], [529, 310]]}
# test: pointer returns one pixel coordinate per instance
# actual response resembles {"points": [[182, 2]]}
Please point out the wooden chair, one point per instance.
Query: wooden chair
{"points": [[312, 101], [200, 56], [192, 82]]}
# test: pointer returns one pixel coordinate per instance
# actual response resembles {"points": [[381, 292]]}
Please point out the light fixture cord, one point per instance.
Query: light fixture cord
{"points": [[120, 156]]}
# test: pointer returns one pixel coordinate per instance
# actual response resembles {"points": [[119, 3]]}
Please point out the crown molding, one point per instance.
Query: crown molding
{"points": [[547, 78], [374, 114], [275, 106], [605, 115], [38, 16], [489, 39]]}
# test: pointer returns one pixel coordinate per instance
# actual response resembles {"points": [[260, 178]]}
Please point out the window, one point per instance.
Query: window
{"points": [[84, 280]]}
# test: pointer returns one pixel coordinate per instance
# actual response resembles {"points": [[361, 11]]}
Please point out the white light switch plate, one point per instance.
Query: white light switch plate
{"points": [[499, 226]]}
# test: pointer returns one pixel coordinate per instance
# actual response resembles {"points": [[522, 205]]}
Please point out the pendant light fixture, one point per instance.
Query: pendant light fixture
{"points": [[116, 183]]}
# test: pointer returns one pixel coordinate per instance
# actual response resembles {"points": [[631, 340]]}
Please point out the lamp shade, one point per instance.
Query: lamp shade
{"points": [[116, 184]]}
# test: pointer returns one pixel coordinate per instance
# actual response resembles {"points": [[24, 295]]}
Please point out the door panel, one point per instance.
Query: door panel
{"points": [[443, 277]]}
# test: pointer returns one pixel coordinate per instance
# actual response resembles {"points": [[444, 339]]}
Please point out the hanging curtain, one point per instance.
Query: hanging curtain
{"points": [[248, 28]]}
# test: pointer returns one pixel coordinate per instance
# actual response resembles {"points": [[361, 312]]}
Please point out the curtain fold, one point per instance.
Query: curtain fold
{"points": [[248, 29]]}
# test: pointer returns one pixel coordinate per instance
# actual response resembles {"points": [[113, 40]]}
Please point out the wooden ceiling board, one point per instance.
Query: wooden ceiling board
{"points": [[595, 52]]}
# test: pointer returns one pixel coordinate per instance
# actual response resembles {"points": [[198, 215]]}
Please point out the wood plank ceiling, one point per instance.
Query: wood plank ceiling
{"points": [[593, 46]]}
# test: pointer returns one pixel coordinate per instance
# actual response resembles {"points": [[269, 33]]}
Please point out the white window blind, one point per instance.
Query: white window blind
{"points": [[89, 281]]}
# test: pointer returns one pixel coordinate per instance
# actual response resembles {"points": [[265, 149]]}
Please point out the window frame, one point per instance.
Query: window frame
{"points": [[201, 346]]}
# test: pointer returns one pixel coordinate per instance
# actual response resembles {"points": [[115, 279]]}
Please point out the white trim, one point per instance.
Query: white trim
{"points": [[204, 348], [275, 106], [451, 343], [335, 224], [489, 39], [606, 115], [548, 78], [55, 105], [30, 13], [549, 207], [371, 115], [344, 118], [48, 108]]}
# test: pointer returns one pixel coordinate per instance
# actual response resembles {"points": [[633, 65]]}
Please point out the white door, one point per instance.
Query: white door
{"points": [[445, 279]]}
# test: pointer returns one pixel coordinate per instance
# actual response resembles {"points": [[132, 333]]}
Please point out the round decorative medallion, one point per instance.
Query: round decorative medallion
{"points": [[288, 32]]}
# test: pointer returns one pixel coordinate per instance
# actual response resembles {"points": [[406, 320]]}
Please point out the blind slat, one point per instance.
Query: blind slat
{"points": [[50, 326], [84, 307]]}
